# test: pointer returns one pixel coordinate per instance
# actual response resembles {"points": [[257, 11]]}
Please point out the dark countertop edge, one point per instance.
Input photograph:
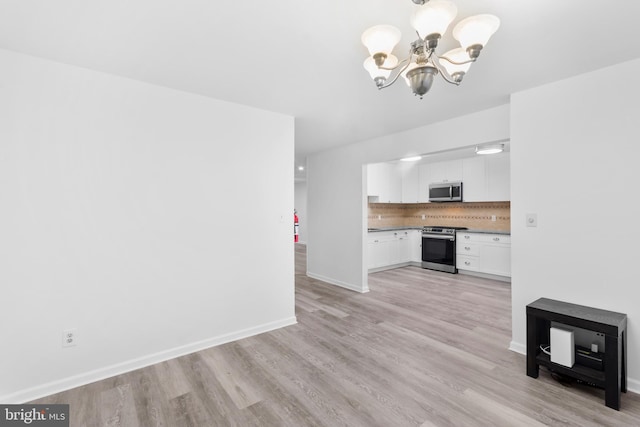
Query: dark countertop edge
{"points": [[373, 230], [470, 230], [480, 231]]}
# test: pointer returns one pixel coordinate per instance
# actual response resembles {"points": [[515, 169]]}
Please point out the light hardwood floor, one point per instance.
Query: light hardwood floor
{"points": [[421, 349]]}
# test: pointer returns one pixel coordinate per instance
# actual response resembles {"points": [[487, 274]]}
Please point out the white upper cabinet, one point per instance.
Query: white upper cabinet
{"points": [[410, 184], [449, 171], [486, 178], [498, 177], [384, 183], [474, 179]]}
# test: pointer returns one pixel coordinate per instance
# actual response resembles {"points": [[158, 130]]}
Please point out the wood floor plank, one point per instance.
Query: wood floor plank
{"points": [[422, 348]]}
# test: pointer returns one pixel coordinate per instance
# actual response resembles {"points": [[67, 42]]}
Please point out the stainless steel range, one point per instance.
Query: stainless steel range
{"points": [[439, 248]]}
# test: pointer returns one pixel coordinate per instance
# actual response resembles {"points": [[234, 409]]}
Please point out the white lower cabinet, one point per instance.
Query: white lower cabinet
{"points": [[393, 248], [484, 253], [379, 247], [415, 236]]}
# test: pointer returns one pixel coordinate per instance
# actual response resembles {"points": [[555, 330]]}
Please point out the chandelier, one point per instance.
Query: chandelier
{"points": [[430, 20]]}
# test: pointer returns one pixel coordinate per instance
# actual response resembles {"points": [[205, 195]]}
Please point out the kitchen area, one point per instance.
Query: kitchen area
{"points": [[448, 211]]}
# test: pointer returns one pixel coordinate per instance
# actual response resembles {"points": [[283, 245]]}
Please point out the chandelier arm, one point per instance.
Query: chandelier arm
{"points": [[454, 62], [394, 68], [398, 74], [444, 75]]}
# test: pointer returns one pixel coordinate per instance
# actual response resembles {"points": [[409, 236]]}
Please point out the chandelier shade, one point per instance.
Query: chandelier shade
{"points": [[381, 39], [375, 71], [456, 61], [475, 30], [431, 20], [433, 17]]}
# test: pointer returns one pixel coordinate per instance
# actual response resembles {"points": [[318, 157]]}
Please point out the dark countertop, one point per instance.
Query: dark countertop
{"points": [[480, 231], [372, 230], [471, 230]]}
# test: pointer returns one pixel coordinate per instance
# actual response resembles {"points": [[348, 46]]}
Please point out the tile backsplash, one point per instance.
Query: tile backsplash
{"points": [[475, 215]]}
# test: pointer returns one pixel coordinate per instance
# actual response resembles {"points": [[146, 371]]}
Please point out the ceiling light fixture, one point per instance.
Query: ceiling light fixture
{"points": [[430, 20], [411, 159], [490, 149]]}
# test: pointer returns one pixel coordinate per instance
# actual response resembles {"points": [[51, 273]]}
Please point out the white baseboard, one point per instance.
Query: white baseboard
{"points": [[518, 348], [345, 285], [391, 267], [485, 275], [58, 386], [632, 385]]}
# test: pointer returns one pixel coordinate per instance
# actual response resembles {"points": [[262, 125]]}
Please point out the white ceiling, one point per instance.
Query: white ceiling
{"points": [[304, 58]]}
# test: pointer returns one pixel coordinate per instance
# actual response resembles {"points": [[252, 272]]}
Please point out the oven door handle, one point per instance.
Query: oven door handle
{"points": [[436, 236]]}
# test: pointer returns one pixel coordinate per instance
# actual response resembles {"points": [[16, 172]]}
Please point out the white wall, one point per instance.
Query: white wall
{"points": [[336, 182], [574, 162], [300, 203], [123, 213]]}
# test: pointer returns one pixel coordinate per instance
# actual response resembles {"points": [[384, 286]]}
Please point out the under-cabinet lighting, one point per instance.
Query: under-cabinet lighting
{"points": [[411, 159], [490, 149]]}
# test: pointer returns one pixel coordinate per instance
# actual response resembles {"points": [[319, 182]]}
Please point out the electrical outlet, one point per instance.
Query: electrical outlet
{"points": [[493, 218], [69, 337], [423, 216], [379, 216]]}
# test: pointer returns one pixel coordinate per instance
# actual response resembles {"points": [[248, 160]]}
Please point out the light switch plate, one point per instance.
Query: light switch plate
{"points": [[532, 220]]}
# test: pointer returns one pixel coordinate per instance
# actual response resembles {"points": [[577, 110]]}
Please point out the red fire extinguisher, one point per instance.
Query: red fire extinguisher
{"points": [[295, 226]]}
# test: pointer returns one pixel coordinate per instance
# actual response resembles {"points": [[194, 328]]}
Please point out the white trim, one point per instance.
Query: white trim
{"points": [[58, 386], [485, 275], [518, 348], [345, 285], [633, 385], [389, 267]]}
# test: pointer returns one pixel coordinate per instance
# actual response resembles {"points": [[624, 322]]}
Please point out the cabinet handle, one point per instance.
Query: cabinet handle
{"points": [[467, 263], [375, 241], [467, 237], [467, 248], [496, 239]]}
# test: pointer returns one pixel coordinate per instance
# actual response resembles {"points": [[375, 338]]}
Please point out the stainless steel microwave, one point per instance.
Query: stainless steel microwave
{"points": [[445, 192]]}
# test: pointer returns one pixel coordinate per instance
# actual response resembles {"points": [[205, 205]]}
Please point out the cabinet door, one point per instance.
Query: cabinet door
{"points": [[474, 180], [381, 247], [401, 250], [452, 171], [424, 176], [372, 255], [394, 184], [498, 177], [410, 184], [496, 259], [374, 180], [385, 182], [416, 245], [465, 262]]}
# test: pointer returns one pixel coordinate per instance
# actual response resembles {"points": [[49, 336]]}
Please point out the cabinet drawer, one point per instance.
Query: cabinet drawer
{"points": [[483, 237], [465, 262], [381, 236], [467, 237], [496, 238], [464, 248]]}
